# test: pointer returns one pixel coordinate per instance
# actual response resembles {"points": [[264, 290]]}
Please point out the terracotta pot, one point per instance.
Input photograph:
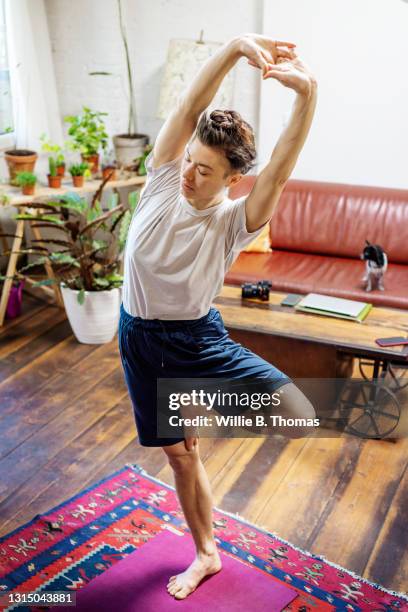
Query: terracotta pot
{"points": [[54, 181], [61, 170], [28, 189], [93, 161], [78, 181], [111, 172], [20, 160]]}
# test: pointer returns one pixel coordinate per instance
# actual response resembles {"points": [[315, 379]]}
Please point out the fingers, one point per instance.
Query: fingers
{"points": [[273, 75], [277, 71], [265, 63], [268, 57], [269, 72], [285, 52], [262, 63], [283, 43]]}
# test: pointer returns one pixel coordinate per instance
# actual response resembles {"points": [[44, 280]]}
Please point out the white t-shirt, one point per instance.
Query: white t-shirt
{"points": [[176, 256]]}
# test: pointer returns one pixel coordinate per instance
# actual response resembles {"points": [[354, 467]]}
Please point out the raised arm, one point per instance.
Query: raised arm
{"points": [[268, 187], [182, 121]]}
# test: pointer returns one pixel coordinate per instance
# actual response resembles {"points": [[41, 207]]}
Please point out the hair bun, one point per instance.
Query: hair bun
{"points": [[222, 119], [227, 132]]}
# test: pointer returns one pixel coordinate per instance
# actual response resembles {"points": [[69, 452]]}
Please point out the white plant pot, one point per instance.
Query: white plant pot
{"points": [[96, 320], [127, 149]]}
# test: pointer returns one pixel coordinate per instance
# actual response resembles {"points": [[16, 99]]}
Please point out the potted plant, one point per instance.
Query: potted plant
{"points": [[139, 165], [27, 181], [54, 181], [20, 160], [129, 145], [49, 147], [88, 134], [78, 173], [87, 265], [109, 168], [142, 168], [110, 171]]}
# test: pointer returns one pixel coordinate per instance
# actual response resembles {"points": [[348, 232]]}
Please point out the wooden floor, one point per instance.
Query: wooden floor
{"points": [[66, 422]]}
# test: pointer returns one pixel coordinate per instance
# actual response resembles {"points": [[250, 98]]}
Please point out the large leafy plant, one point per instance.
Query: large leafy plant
{"points": [[92, 241], [88, 131]]}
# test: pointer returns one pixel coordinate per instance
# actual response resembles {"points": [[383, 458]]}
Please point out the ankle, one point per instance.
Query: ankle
{"points": [[207, 550]]}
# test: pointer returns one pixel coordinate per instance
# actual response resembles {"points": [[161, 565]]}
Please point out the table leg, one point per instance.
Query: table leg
{"points": [[11, 268], [3, 238], [48, 268]]}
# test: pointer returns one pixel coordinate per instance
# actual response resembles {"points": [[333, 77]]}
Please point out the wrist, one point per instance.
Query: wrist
{"points": [[234, 47], [310, 89]]}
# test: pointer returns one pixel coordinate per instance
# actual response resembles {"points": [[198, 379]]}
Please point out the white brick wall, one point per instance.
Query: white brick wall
{"points": [[85, 37]]}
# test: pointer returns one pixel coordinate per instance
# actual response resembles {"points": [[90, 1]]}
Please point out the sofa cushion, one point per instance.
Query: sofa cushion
{"points": [[261, 244], [295, 272]]}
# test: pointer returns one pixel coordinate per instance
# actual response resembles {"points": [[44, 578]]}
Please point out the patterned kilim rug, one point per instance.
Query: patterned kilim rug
{"points": [[64, 549]]}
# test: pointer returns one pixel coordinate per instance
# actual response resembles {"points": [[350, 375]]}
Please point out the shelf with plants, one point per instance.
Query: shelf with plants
{"points": [[12, 196]]}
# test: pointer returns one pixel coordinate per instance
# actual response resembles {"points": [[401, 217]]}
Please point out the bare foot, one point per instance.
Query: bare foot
{"points": [[185, 583]]}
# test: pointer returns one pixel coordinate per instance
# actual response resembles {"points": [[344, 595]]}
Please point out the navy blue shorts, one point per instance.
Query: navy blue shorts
{"points": [[152, 349]]}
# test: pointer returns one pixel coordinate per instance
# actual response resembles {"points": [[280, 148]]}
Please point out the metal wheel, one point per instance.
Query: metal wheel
{"points": [[396, 384], [370, 409], [364, 362]]}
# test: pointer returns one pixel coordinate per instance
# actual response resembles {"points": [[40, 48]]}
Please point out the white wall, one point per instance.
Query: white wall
{"points": [[85, 37], [359, 51]]}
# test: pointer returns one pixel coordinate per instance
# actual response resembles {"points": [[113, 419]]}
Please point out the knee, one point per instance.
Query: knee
{"points": [[183, 462], [308, 411], [295, 404]]}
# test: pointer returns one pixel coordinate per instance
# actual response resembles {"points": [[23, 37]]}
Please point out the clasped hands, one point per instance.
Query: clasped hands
{"points": [[278, 60]]}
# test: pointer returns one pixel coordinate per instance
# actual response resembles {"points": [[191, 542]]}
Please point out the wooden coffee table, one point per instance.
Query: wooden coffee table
{"points": [[310, 346]]}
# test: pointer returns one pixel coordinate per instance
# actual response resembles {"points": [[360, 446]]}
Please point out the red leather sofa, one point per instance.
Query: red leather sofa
{"points": [[318, 231]]}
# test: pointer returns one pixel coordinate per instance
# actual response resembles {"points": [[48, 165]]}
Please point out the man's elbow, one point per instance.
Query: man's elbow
{"points": [[281, 181], [282, 173], [277, 177]]}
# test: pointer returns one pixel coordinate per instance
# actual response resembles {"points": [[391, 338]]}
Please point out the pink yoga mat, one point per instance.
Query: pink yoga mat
{"points": [[138, 583]]}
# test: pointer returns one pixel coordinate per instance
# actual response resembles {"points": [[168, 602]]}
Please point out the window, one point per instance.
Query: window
{"points": [[6, 109]]}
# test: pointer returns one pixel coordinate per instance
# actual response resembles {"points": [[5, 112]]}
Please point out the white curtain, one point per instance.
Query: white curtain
{"points": [[33, 86]]}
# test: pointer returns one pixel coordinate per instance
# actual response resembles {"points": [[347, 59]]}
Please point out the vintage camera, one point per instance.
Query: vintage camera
{"points": [[259, 290]]}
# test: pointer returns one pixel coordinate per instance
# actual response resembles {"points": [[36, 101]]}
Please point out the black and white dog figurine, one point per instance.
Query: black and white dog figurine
{"points": [[376, 266]]}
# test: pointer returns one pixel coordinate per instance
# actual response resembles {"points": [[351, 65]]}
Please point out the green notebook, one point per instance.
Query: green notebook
{"points": [[334, 307]]}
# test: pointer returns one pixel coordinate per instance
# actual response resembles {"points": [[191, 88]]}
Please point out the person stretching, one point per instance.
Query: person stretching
{"points": [[184, 236]]}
